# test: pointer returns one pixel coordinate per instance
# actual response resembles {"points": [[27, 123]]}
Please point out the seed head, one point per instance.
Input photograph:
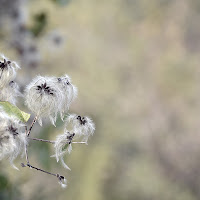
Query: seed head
{"points": [[12, 137], [7, 70], [44, 98], [69, 91], [81, 126], [62, 146]]}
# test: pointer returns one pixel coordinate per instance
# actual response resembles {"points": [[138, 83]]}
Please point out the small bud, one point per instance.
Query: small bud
{"points": [[23, 165], [62, 181]]}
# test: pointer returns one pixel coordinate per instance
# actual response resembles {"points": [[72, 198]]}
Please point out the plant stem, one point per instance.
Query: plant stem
{"points": [[26, 148], [36, 168], [52, 142], [41, 140], [29, 131], [41, 170], [26, 153]]}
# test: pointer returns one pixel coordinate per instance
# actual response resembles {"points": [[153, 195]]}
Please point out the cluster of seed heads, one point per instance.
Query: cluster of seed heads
{"points": [[46, 97]]}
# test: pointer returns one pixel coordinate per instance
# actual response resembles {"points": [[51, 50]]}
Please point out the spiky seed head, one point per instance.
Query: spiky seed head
{"points": [[44, 98]]}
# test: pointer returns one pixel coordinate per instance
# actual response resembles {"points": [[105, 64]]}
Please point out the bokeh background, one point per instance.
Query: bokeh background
{"points": [[136, 65]]}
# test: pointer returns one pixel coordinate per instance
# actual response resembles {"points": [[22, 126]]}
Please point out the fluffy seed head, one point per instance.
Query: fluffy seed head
{"points": [[10, 92], [12, 137], [62, 146], [81, 126], [69, 91], [44, 98], [7, 70]]}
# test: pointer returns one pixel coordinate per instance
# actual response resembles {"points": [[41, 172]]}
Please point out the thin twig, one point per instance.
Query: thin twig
{"points": [[26, 153], [41, 140], [32, 167], [26, 148], [53, 142], [34, 120], [60, 178], [36, 168]]}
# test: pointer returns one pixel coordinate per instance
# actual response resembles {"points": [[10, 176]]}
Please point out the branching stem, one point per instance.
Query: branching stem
{"points": [[60, 178]]}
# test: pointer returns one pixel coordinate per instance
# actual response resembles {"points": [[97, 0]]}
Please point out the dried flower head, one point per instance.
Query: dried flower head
{"points": [[81, 126], [12, 137], [7, 70], [70, 93], [62, 146], [44, 98], [10, 92]]}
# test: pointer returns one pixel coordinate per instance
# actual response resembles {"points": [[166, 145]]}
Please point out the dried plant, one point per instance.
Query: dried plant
{"points": [[45, 97]]}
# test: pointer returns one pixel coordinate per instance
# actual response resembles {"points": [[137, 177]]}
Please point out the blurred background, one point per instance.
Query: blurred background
{"points": [[136, 65]]}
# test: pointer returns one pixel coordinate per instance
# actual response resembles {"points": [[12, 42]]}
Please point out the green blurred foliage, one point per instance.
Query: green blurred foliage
{"points": [[8, 190], [39, 23]]}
